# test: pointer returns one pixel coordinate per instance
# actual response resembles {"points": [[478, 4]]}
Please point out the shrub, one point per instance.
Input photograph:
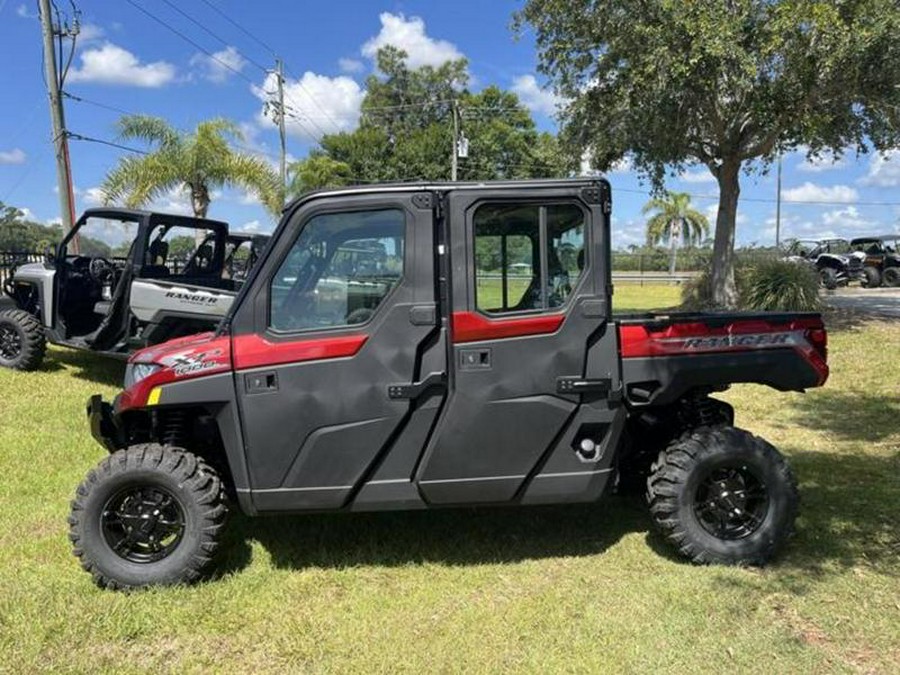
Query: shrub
{"points": [[762, 284], [780, 285]]}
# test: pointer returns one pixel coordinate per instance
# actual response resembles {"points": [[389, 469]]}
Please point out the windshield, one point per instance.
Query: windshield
{"points": [[109, 238]]}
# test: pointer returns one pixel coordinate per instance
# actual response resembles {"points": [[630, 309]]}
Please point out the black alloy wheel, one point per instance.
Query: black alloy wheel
{"points": [[731, 502], [142, 524]]}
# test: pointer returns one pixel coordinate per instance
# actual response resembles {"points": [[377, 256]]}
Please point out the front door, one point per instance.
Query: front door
{"points": [[338, 326], [531, 413]]}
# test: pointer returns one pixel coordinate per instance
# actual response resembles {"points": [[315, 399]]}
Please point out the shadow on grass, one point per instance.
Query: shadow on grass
{"points": [[850, 415], [848, 518], [86, 366], [446, 536]]}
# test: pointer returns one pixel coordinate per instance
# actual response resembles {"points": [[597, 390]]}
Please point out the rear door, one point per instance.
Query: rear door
{"points": [[338, 325], [534, 366]]}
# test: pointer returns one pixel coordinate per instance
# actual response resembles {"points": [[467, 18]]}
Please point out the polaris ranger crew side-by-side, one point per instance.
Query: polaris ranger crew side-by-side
{"points": [[417, 346], [114, 305]]}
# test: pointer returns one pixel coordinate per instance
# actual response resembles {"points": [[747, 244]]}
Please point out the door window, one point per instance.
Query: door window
{"points": [[338, 272], [527, 257]]}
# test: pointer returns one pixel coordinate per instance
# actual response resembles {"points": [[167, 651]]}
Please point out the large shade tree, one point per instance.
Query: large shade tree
{"points": [[198, 161], [674, 219], [726, 84]]}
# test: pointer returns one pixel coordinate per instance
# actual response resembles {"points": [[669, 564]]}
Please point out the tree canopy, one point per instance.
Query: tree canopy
{"points": [[723, 84], [199, 161], [406, 128]]}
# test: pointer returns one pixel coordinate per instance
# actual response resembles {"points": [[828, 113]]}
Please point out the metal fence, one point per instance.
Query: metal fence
{"points": [[9, 260]]}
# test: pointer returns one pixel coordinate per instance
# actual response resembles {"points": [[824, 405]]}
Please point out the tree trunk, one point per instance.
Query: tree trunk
{"points": [[724, 292], [200, 204], [674, 233]]}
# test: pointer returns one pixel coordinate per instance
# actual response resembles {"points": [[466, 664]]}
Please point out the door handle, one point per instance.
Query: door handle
{"points": [[258, 383], [416, 389]]}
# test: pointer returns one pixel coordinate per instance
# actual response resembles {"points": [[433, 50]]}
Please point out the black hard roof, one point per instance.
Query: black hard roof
{"points": [[447, 186], [877, 237]]}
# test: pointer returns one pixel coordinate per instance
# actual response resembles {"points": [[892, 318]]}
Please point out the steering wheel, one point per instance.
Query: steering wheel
{"points": [[100, 269]]}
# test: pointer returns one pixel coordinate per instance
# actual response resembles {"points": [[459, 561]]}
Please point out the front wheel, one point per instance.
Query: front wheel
{"points": [[22, 340], [146, 516], [829, 278], [871, 277], [722, 495]]}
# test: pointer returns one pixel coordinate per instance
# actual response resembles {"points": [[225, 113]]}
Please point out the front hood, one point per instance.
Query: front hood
{"points": [[177, 360], [165, 351]]}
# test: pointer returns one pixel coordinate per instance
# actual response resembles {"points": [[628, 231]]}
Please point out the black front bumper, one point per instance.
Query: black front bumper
{"points": [[104, 423]]}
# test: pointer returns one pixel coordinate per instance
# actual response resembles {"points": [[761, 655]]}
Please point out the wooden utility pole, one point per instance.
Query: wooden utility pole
{"points": [[279, 73], [57, 117]]}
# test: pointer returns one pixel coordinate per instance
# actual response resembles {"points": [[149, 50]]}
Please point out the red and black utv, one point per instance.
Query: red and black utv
{"points": [[416, 346]]}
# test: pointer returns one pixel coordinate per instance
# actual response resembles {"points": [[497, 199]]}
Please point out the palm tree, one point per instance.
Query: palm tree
{"points": [[199, 162], [316, 172], [674, 219]]}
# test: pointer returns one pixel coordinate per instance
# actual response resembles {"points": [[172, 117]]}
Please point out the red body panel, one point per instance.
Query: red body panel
{"points": [[472, 326], [805, 335], [253, 351]]}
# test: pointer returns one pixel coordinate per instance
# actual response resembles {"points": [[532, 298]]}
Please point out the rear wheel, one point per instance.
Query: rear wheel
{"points": [[722, 495], [891, 277], [829, 278], [22, 341], [871, 277], [149, 515]]}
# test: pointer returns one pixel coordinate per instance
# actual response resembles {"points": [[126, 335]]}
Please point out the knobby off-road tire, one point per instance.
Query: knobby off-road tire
{"points": [[722, 495], [172, 501], [828, 276], [22, 340], [871, 277], [891, 277]]}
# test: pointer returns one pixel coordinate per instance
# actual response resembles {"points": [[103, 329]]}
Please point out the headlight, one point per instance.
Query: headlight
{"points": [[135, 372]]}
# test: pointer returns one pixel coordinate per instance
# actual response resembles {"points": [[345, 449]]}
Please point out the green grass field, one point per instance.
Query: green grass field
{"points": [[559, 589]]}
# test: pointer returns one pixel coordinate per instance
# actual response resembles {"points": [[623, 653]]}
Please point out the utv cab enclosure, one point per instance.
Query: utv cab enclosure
{"points": [[417, 346], [83, 297]]}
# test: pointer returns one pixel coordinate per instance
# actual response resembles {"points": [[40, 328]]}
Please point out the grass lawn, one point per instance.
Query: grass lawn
{"points": [[560, 589]]}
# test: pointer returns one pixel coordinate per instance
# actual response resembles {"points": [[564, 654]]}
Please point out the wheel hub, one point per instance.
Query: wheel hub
{"points": [[731, 503], [142, 524], [10, 343]]}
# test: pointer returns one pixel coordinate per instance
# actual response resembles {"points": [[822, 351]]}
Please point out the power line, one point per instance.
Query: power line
{"points": [[189, 41], [90, 139], [211, 33], [764, 200], [239, 27], [112, 108]]}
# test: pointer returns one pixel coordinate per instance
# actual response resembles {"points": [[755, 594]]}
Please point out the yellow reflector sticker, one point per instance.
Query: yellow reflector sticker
{"points": [[153, 398]]}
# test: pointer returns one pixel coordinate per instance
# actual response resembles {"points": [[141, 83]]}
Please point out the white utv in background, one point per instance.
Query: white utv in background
{"points": [[114, 305]]}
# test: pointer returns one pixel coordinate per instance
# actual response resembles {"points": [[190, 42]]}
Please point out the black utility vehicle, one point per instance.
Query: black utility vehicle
{"points": [[882, 259], [834, 261], [113, 305], [416, 346]]}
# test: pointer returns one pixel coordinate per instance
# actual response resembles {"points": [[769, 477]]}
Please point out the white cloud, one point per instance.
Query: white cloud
{"points": [[810, 192], [350, 65], [89, 32], [696, 176], [315, 104], [534, 97], [23, 13], [110, 64], [409, 35], [884, 170], [93, 196], [220, 66], [14, 156]]}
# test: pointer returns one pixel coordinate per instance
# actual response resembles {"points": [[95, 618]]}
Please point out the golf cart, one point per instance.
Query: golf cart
{"points": [[116, 283]]}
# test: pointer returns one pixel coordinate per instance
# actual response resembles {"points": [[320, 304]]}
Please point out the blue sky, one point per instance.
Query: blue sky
{"points": [[128, 61]]}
